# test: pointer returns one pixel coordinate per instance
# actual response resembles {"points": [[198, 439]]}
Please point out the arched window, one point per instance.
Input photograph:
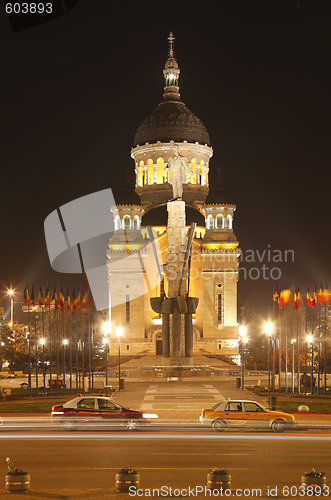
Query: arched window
{"points": [[219, 221], [117, 223], [136, 222], [210, 222], [126, 222], [229, 222]]}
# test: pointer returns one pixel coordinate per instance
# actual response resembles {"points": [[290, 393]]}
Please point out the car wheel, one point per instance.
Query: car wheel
{"points": [[219, 425], [131, 425], [278, 426], [68, 424]]}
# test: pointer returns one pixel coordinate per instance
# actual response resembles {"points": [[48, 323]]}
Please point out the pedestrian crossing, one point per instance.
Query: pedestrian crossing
{"points": [[190, 397]]}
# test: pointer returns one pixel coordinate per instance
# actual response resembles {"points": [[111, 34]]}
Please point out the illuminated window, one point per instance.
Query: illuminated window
{"points": [[219, 221], [229, 222], [127, 309], [136, 222], [126, 222], [219, 309], [210, 222], [117, 223]]}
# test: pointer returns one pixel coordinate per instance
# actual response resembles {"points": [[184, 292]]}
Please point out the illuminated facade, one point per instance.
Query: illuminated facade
{"points": [[215, 252]]}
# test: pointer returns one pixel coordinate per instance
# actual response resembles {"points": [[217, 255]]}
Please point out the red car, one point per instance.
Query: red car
{"points": [[97, 411]]}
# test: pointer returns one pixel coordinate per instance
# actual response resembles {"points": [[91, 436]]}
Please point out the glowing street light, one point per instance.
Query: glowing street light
{"points": [[106, 330], [11, 295], [119, 333], [268, 328]]}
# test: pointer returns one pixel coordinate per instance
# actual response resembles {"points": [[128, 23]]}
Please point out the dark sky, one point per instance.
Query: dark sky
{"points": [[257, 73]]}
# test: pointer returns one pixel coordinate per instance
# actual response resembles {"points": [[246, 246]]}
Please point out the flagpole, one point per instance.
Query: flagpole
{"points": [[83, 365], [306, 330], [298, 357], [70, 339], [29, 374], [50, 347], [43, 323], [312, 355], [64, 351], [285, 348], [76, 351], [279, 354], [293, 341], [89, 341], [319, 349], [57, 352], [325, 357], [36, 353]]}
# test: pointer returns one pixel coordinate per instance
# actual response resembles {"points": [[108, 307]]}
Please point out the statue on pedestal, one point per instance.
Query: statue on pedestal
{"points": [[179, 171]]}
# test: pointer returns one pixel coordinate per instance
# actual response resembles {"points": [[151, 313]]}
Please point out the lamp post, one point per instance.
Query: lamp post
{"points": [[11, 295], [268, 328], [309, 340], [106, 342], [293, 342], [243, 341], [42, 342], [65, 342], [119, 333]]}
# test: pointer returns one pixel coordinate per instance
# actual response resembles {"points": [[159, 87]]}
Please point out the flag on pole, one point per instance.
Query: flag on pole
{"points": [[32, 297], [26, 295], [54, 300], [74, 299], [323, 296], [77, 299], [68, 301], [61, 299], [308, 298], [275, 296], [314, 301], [297, 303], [47, 299], [285, 297], [85, 299], [40, 299]]}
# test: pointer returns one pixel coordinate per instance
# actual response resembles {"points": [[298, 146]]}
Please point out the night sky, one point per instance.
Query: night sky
{"points": [[257, 73]]}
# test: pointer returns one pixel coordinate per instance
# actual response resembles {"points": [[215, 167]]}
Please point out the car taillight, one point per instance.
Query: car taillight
{"points": [[57, 410], [203, 414]]}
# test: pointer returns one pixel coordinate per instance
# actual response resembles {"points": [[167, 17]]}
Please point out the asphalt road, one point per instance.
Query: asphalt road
{"points": [[84, 464]]}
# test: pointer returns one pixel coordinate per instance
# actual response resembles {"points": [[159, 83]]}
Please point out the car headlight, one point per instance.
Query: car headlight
{"points": [[150, 415]]}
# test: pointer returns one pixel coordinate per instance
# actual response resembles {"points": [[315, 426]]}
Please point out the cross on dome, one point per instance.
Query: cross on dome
{"points": [[171, 39]]}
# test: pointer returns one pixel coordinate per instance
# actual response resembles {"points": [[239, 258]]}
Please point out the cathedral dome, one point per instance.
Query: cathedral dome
{"points": [[171, 120]]}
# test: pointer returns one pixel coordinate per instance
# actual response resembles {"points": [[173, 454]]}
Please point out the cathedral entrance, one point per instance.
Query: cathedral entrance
{"points": [[158, 345]]}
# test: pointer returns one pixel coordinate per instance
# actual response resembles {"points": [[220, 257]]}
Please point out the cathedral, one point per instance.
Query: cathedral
{"points": [[215, 252]]}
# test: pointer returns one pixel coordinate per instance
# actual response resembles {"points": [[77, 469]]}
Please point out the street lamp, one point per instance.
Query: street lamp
{"points": [[106, 342], [42, 342], [2, 345], [310, 340], [243, 341], [293, 342], [65, 342], [11, 294], [119, 333], [268, 328]]}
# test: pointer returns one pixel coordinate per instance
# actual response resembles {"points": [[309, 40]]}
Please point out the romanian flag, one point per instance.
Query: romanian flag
{"points": [[323, 296], [275, 296], [47, 300], [40, 299], [285, 297], [74, 299], [61, 299], [68, 301], [314, 301], [26, 295], [78, 299], [297, 303], [54, 300], [308, 298], [85, 300], [32, 297]]}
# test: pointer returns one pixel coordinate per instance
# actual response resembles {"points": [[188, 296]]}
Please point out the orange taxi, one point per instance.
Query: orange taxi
{"points": [[245, 414]]}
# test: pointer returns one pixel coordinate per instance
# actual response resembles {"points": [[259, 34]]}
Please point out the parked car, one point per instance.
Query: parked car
{"points": [[97, 411], [245, 414]]}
